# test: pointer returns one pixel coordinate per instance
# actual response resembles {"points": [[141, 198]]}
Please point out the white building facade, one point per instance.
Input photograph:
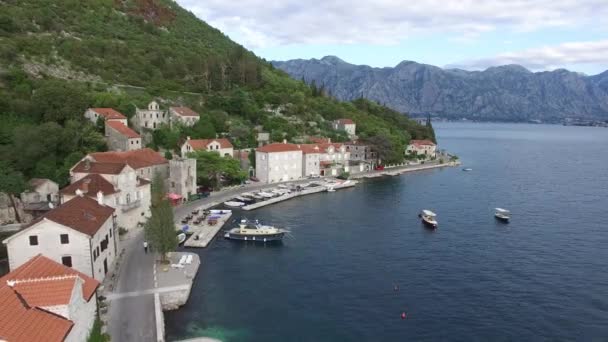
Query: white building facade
{"points": [[183, 116], [152, 117], [424, 148], [221, 145], [278, 162]]}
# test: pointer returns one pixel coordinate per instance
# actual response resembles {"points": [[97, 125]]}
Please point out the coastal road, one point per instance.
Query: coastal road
{"points": [[132, 316]]}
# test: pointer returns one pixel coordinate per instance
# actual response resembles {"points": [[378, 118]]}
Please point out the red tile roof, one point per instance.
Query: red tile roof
{"points": [[184, 111], [90, 186], [137, 159], [201, 144], [82, 214], [102, 168], [41, 267], [422, 142], [278, 147], [346, 121], [122, 129], [108, 113], [39, 283], [310, 148]]}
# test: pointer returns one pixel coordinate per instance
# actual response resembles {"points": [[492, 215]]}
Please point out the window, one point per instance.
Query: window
{"points": [[110, 232], [65, 239], [67, 261], [94, 255], [128, 198], [34, 240]]}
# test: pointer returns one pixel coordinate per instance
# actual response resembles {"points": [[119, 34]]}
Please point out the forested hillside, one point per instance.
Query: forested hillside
{"points": [[58, 57]]}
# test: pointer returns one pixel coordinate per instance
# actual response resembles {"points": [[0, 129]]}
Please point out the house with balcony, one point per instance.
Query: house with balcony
{"points": [[80, 233], [221, 145], [43, 300], [117, 184]]}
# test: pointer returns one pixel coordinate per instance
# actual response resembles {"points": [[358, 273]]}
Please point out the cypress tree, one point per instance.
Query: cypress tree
{"points": [[160, 227]]}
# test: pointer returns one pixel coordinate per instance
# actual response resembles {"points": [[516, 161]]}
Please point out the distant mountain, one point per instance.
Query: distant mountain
{"points": [[504, 93]]}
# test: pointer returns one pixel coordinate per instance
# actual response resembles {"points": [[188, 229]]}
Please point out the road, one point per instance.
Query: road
{"points": [[132, 316]]}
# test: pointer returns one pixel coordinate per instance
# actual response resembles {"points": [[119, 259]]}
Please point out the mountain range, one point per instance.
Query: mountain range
{"points": [[503, 93]]}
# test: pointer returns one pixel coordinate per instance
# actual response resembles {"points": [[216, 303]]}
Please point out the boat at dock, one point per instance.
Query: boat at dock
{"points": [[502, 214], [234, 204], [254, 231], [429, 218], [266, 194], [242, 199]]}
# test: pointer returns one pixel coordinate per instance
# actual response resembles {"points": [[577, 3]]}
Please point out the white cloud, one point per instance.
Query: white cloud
{"points": [[261, 23], [546, 57]]}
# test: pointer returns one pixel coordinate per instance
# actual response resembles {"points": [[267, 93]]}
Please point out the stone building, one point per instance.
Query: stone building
{"points": [[221, 146], [346, 125], [80, 234], [362, 157], [150, 118], [183, 115], [107, 114], [120, 137], [424, 148], [43, 300], [146, 162], [183, 177], [278, 162], [42, 196]]}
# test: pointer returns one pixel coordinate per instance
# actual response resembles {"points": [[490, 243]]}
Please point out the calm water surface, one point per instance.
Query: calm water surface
{"points": [[543, 277]]}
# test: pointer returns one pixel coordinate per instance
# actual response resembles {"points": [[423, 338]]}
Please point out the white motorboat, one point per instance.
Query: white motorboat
{"points": [[235, 204], [429, 218], [266, 194], [242, 199], [331, 189], [256, 232], [502, 214]]}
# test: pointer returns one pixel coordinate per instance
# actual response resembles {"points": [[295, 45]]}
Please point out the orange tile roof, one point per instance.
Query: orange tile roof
{"points": [[278, 147], [90, 186], [39, 283], [108, 113], [41, 267], [184, 111], [123, 129], [82, 214], [346, 121], [137, 159], [310, 148], [102, 168], [422, 142], [201, 144]]}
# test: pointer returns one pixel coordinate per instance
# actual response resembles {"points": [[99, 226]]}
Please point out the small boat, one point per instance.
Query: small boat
{"points": [[254, 231], [242, 199], [502, 214], [331, 189], [429, 218], [266, 194], [235, 204], [181, 237], [467, 169]]}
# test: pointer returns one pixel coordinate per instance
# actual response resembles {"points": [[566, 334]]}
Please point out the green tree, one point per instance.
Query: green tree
{"points": [[213, 170], [60, 101], [12, 183], [160, 227]]}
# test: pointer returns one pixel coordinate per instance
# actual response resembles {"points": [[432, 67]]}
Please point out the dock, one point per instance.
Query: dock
{"points": [[203, 233], [303, 192]]}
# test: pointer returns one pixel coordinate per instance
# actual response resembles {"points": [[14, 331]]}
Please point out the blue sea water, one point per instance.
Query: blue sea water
{"points": [[543, 277]]}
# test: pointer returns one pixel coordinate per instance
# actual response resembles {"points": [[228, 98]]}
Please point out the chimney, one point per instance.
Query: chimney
{"points": [[79, 192], [100, 198], [284, 141], [87, 164], [188, 138], [329, 140]]}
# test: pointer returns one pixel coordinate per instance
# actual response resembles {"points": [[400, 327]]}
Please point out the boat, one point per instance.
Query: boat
{"points": [[254, 231], [266, 194], [467, 169], [429, 218], [181, 237], [242, 199], [331, 189], [234, 204], [502, 214]]}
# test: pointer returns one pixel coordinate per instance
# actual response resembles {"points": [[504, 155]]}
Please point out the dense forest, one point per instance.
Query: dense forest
{"points": [[59, 57]]}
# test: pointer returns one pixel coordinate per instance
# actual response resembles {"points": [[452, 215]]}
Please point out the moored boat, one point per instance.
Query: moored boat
{"points": [[429, 218], [256, 232], [502, 214], [467, 169], [235, 204]]}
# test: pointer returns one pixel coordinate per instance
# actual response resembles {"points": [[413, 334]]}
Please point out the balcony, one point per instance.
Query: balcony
{"points": [[131, 205]]}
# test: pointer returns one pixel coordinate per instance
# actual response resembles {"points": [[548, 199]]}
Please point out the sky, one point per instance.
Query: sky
{"points": [[467, 34]]}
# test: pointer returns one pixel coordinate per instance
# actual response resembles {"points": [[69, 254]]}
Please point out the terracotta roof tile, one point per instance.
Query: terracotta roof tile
{"points": [[184, 111], [109, 113], [90, 186], [310, 148], [346, 121], [122, 129], [82, 214], [201, 144], [278, 147], [40, 267], [39, 283], [137, 159], [422, 142], [102, 168]]}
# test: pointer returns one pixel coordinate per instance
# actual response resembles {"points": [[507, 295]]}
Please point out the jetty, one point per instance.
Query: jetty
{"points": [[203, 232], [302, 192]]}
